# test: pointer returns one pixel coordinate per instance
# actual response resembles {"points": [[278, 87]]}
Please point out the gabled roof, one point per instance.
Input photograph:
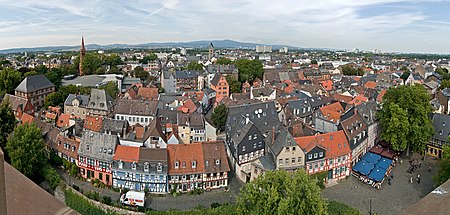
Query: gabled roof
{"points": [[27, 118], [282, 139], [352, 126], [93, 123], [154, 129], [334, 143], [126, 153], [263, 114], [185, 154], [136, 107], [98, 145], [332, 111], [34, 83], [150, 93], [100, 100], [370, 84], [359, 99], [63, 120], [441, 125], [16, 102], [83, 99], [214, 151]]}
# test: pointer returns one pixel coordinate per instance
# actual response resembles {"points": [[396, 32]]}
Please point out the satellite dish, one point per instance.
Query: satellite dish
{"points": [[260, 111], [256, 111]]}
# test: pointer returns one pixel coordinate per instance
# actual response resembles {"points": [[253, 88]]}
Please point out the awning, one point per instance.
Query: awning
{"points": [[363, 167], [377, 174], [371, 157], [376, 150], [384, 163], [388, 153]]}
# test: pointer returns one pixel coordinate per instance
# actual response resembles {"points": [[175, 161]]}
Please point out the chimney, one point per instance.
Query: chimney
{"points": [[3, 209]]}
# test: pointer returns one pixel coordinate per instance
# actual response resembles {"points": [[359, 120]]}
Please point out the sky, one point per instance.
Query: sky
{"points": [[386, 25]]}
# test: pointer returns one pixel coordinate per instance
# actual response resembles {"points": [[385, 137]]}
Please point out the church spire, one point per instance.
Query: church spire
{"points": [[82, 53]]}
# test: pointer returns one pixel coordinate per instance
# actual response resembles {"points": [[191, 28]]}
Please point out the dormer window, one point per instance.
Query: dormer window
{"points": [[159, 167], [120, 165], [146, 166], [218, 162], [206, 163], [184, 164], [194, 164], [133, 165], [177, 165]]}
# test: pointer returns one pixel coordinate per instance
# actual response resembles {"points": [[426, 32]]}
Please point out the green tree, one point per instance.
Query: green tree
{"points": [[139, 72], [113, 60], [404, 118], [54, 77], [91, 62], [223, 61], [41, 69], [235, 85], [282, 192], [249, 70], [219, 116], [9, 80], [337, 208], [51, 176], [313, 61], [349, 70], [149, 58], [444, 167], [7, 123], [111, 88], [194, 66], [25, 148], [30, 73], [444, 84]]}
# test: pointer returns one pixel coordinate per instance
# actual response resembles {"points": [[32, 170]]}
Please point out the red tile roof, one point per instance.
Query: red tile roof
{"points": [[126, 153], [327, 85], [63, 120], [358, 100], [380, 96], [60, 146], [342, 98], [332, 111], [150, 93], [185, 154], [335, 143], [27, 118], [93, 123], [370, 84], [188, 107]]}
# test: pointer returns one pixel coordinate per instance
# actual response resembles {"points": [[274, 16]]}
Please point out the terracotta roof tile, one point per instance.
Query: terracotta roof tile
{"points": [[380, 96], [27, 118], [327, 85], [332, 111], [150, 93], [185, 154], [93, 123], [358, 100], [335, 143], [63, 120], [126, 153], [370, 84], [342, 98]]}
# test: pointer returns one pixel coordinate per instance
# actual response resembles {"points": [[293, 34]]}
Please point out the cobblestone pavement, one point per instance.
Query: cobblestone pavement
{"points": [[390, 199], [169, 202]]}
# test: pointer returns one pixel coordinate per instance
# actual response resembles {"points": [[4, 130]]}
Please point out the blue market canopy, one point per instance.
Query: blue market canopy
{"points": [[384, 163], [371, 157], [363, 167], [377, 174]]}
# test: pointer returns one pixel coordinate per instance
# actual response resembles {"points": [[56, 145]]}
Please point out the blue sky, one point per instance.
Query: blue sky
{"points": [[395, 25]]}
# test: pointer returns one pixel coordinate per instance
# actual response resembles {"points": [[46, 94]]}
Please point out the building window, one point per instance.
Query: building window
{"points": [[100, 176], [320, 154], [133, 166], [146, 166], [255, 136], [315, 155], [310, 156], [194, 164], [331, 161], [249, 137], [280, 162], [293, 160], [177, 165], [287, 149], [183, 164], [159, 167], [299, 159], [120, 165], [218, 162], [243, 148], [254, 145], [293, 149], [286, 161]]}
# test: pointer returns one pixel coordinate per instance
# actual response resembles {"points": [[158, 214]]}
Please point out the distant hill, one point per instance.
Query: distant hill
{"points": [[192, 44]]}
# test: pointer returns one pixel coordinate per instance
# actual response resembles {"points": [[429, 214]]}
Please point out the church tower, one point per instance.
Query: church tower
{"points": [[82, 53], [211, 51]]}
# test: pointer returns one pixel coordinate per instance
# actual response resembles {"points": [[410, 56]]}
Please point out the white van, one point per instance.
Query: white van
{"points": [[133, 198]]}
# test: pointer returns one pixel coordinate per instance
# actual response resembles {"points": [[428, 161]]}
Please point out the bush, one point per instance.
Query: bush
{"points": [[75, 187], [52, 177], [93, 195], [67, 165], [74, 170], [82, 205], [215, 205], [55, 159], [106, 200]]}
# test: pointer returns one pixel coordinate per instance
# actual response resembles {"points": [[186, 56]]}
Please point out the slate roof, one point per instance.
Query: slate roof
{"points": [[100, 100], [262, 91], [282, 139], [114, 125], [368, 112], [34, 83], [83, 99], [167, 116], [136, 107], [352, 127], [154, 129], [98, 145], [262, 114], [186, 74], [441, 125]]}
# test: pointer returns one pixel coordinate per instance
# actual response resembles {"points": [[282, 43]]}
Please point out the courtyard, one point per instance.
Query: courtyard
{"points": [[390, 199]]}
